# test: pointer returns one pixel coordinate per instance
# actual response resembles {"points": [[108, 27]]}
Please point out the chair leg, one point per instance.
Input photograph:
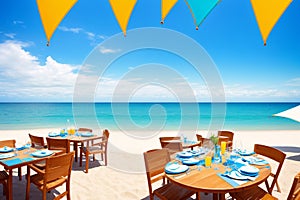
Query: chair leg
{"points": [[105, 159], [198, 196], [20, 173], [278, 188], [80, 157], [28, 183], [86, 162]]}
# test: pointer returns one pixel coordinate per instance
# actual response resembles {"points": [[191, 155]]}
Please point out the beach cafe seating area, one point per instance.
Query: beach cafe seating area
{"points": [[185, 169], [49, 160], [214, 166]]}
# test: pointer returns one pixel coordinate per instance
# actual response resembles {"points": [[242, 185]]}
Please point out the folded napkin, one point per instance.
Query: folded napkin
{"points": [[255, 161], [21, 148], [235, 178]]}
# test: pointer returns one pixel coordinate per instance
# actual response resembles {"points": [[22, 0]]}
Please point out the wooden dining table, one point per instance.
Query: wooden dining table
{"points": [[208, 180], [20, 159], [77, 139]]}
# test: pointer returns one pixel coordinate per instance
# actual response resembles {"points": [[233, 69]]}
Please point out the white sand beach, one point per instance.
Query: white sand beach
{"points": [[124, 177]]}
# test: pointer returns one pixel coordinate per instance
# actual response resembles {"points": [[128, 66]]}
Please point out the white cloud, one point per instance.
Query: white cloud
{"points": [[10, 35], [90, 36], [293, 82], [18, 22], [23, 77], [73, 30], [105, 50]]}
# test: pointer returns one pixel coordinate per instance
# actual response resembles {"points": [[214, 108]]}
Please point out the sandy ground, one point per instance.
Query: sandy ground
{"points": [[125, 178]]}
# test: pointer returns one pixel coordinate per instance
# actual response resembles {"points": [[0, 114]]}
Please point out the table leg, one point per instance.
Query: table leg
{"points": [[219, 196], [9, 184], [76, 151]]}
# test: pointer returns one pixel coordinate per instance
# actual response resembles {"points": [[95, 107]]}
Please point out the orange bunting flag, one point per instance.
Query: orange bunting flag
{"points": [[267, 13], [166, 6], [122, 10], [52, 12]]}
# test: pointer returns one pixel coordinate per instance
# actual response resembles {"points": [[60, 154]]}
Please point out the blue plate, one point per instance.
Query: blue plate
{"points": [[185, 154], [172, 169], [88, 134], [53, 134], [190, 161], [42, 153], [196, 152], [246, 153], [6, 149]]}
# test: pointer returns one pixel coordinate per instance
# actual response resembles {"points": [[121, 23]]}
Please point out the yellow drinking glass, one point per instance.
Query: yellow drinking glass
{"points": [[208, 161], [223, 147], [72, 131]]}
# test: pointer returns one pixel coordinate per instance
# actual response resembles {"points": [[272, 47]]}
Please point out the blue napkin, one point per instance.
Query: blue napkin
{"points": [[21, 148], [12, 161], [231, 181]]}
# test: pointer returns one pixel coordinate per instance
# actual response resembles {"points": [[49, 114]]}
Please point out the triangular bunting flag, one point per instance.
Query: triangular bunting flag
{"points": [[267, 13], [52, 12], [166, 6], [122, 10], [200, 9]]}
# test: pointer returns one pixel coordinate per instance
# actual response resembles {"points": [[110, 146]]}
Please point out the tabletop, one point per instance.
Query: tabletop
{"points": [[203, 179]]}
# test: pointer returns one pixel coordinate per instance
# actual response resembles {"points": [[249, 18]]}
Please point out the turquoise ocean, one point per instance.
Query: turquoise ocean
{"points": [[168, 116]]}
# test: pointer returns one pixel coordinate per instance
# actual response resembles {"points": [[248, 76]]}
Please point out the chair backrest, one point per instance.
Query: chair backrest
{"points": [[295, 189], [172, 146], [58, 144], [273, 154], [223, 139], [162, 139], [228, 134], [85, 130], [58, 166], [199, 138], [155, 161], [7, 143], [36, 141]]}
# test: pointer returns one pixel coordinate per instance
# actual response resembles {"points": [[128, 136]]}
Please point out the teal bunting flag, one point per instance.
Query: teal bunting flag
{"points": [[200, 9]]}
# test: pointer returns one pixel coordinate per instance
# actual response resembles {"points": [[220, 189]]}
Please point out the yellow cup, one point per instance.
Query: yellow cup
{"points": [[208, 161], [223, 147]]}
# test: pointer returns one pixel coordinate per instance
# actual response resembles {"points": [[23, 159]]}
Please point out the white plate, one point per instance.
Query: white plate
{"points": [[249, 169], [6, 155]]}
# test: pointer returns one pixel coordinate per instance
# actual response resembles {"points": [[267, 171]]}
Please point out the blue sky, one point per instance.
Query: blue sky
{"points": [[31, 71]]}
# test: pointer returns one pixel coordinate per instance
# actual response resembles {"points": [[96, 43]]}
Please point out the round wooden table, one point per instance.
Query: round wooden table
{"points": [[207, 180]]}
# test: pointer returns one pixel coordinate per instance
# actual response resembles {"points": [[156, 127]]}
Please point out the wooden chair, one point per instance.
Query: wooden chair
{"points": [[57, 172], [162, 139], [12, 144], [37, 141], [256, 192], [94, 146], [155, 161], [172, 146], [228, 134], [294, 193], [3, 181], [76, 145], [58, 144]]}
